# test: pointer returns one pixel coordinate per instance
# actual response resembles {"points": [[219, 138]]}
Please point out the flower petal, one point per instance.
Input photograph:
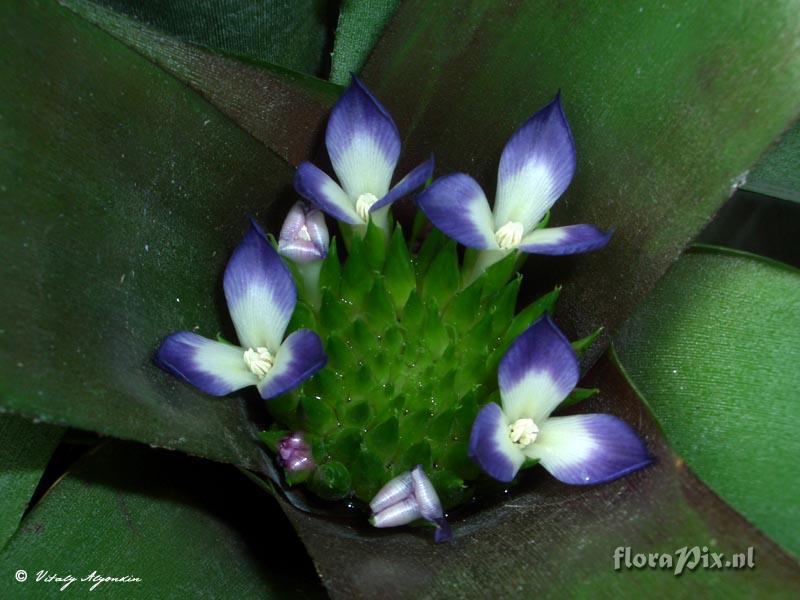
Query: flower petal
{"points": [[415, 179], [363, 142], [443, 532], [260, 292], [401, 513], [318, 230], [299, 357], [214, 367], [539, 370], [536, 167], [395, 490], [588, 449], [317, 187], [572, 239], [490, 444], [457, 205], [429, 504]]}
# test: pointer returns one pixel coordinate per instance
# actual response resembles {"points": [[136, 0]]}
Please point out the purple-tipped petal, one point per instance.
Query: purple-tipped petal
{"points": [[536, 167], [363, 142], [300, 356], [400, 513], [457, 205], [443, 532], [318, 188], [589, 449], [260, 292], [572, 239], [304, 236], [214, 367], [399, 488], [415, 179], [539, 370], [429, 504], [490, 444]]}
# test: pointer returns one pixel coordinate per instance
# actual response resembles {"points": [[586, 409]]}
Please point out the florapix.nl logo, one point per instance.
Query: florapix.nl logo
{"points": [[683, 559]]}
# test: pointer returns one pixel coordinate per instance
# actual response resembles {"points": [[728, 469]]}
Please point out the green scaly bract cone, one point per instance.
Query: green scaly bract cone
{"points": [[412, 358]]}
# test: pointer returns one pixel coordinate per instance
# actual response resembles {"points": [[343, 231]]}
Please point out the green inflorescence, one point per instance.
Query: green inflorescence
{"points": [[412, 358]]}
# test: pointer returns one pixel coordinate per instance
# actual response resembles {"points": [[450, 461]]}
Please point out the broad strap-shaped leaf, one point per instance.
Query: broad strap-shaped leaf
{"points": [[185, 528], [284, 110], [715, 350], [554, 540], [778, 172], [359, 27], [27, 448], [757, 224], [124, 193], [668, 104], [290, 33]]}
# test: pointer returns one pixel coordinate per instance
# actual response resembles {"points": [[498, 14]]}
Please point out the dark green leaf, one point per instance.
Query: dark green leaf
{"points": [[715, 351], [124, 193], [27, 448], [126, 510], [290, 33], [360, 25], [282, 109], [778, 173]]}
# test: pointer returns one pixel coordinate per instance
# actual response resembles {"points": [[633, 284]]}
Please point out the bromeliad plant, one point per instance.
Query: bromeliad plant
{"points": [[431, 377]]}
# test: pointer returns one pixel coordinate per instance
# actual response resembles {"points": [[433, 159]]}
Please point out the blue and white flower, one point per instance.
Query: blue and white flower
{"points": [[405, 499], [261, 297], [364, 146], [536, 167], [537, 373]]}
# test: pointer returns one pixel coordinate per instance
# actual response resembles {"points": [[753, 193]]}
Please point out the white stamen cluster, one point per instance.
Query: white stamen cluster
{"points": [[509, 235], [364, 203], [523, 432], [259, 361]]}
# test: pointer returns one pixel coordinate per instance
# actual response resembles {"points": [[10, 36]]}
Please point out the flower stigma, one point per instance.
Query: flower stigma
{"points": [[509, 235], [363, 204], [259, 361], [523, 432]]}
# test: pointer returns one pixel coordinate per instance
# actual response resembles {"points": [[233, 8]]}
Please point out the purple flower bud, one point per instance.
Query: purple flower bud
{"points": [[406, 498], [295, 454], [304, 236]]}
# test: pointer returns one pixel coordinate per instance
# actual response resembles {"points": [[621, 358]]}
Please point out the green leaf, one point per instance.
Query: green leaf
{"points": [[360, 25], [442, 278], [283, 109], [374, 246], [534, 310], [331, 272], [330, 481], [124, 193], [578, 395], [127, 510], [660, 509], [669, 106], [399, 271], [291, 33], [715, 351], [582, 345], [777, 174], [27, 448]]}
